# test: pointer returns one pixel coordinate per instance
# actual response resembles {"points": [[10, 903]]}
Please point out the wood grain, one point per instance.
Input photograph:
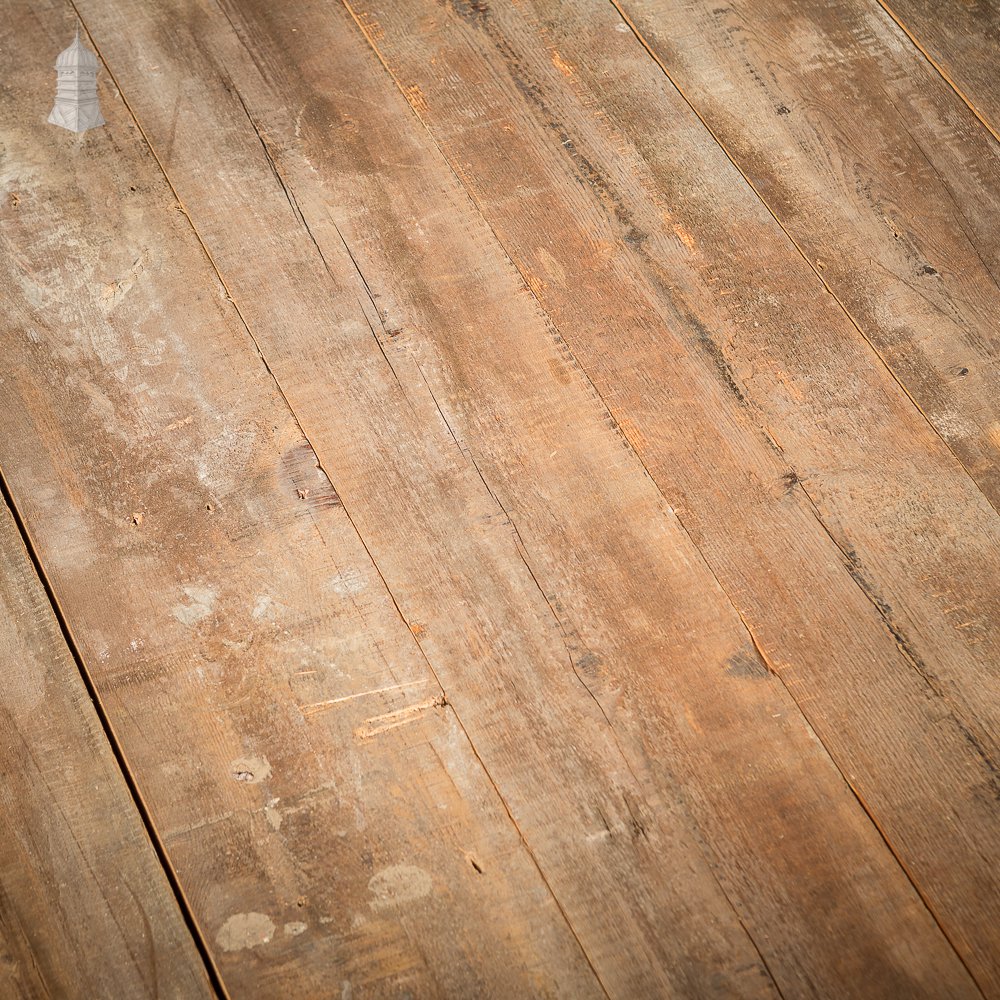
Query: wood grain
{"points": [[630, 226], [85, 908], [327, 817], [961, 41], [888, 490], [886, 182], [614, 608]]}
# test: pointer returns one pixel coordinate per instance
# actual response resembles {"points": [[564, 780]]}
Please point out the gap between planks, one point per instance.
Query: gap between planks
{"points": [[938, 68], [633, 27], [441, 700], [204, 953]]}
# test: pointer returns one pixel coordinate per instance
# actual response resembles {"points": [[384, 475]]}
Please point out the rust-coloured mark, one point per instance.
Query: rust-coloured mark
{"points": [[564, 66]]}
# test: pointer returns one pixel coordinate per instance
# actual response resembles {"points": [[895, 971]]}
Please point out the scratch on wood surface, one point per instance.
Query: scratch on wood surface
{"points": [[321, 706], [393, 720]]}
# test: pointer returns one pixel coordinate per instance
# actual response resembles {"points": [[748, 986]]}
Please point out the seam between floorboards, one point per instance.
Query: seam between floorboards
{"points": [[916, 888], [159, 848], [795, 243], [616, 425], [503, 801], [938, 68], [475, 204]]}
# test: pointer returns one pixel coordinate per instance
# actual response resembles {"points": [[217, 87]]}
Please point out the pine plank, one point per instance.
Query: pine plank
{"points": [[326, 815], [896, 501], [650, 251], [85, 908], [886, 182], [427, 319], [961, 41]]}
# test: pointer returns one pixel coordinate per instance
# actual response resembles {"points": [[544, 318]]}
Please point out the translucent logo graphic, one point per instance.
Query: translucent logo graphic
{"points": [[76, 106]]}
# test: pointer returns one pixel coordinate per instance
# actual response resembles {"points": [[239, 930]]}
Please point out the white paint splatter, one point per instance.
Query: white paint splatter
{"points": [[245, 930], [201, 602], [398, 884]]}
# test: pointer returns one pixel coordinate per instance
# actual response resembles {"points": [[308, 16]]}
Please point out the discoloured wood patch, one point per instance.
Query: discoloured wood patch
{"points": [[522, 467]]}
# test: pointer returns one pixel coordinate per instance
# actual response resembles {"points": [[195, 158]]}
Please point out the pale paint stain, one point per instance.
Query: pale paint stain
{"points": [[250, 770], [245, 930], [272, 814], [398, 884], [201, 601], [261, 607]]}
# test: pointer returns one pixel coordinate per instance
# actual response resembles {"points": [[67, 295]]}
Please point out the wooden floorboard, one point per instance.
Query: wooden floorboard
{"points": [[885, 181], [85, 907], [524, 546], [627, 186], [961, 45]]}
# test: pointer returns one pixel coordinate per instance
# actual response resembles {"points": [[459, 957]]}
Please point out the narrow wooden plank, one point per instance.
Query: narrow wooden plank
{"points": [[888, 185], [635, 614], [653, 253], [328, 819], [961, 42], [85, 908]]}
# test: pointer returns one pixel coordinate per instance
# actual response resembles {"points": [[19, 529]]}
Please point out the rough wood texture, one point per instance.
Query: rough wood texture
{"points": [[887, 183], [331, 825], [656, 256], [604, 597], [85, 908], [540, 587], [961, 40]]}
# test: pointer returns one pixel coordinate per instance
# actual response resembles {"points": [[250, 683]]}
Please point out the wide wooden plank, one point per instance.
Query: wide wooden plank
{"points": [[85, 907], [886, 182], [328, 819], [657, 267], [623, 588], [961, 41]]}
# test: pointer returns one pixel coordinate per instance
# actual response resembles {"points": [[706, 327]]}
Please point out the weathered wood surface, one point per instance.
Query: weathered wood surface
{"points": [[616, 161], [962, 41], [328, 820], [887, 183], [570, 637], [85, 907], [638, 611], [632, 229]]}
